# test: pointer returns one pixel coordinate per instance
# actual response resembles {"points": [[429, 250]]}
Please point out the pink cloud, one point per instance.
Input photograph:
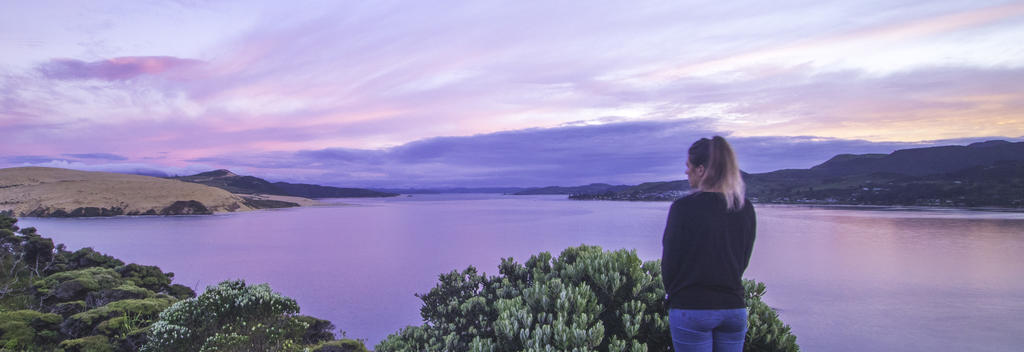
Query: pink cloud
{"points": [[119, 68]]}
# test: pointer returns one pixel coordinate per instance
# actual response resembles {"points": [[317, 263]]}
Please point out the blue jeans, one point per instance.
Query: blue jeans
{"points": [[705, 330]]}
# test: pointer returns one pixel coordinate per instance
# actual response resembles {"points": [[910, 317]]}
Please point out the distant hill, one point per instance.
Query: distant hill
{"points": [[922, 161], [53, 192], [648, 191], [980, 174], [234, 183], [593, 188]]}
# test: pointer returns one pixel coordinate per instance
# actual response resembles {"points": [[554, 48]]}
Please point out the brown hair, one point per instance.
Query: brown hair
{"points": [[722, 172]]}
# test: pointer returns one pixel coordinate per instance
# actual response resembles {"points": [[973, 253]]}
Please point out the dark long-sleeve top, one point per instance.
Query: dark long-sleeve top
{"points": [[705, 251]]}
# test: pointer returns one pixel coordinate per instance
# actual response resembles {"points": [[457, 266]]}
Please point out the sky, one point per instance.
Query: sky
{"points": [[497, 93]]}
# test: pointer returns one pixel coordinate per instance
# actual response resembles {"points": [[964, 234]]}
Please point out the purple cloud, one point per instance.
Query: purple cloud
{"points": [[318, 94], [123, 168], [119, 68], [20, 160], [626, 152], [101, 156]]}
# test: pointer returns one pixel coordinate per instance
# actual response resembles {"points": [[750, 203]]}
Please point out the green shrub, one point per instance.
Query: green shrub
{"points": [[343, 345], [146, 276], [122, 326], [584, 300], [7, 222], [84, 323], [318, 330], [47, 278], [180, 291], [227, 317], [88, 258], [765, 331], [58, 286], [97, 343], [27, 329]]}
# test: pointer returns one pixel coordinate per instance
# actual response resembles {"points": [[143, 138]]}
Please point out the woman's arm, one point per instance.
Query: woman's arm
{"points": [[671, 260]]}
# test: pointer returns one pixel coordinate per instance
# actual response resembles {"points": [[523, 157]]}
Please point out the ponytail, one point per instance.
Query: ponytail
{"points": [[722, 172]]}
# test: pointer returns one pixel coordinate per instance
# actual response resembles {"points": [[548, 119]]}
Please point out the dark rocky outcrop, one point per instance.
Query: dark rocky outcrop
{"points": [[268, 203], [70, 290], [181, 207], [186, 207], [75, 213], [68, 309], [102, 297], [134, 340]]}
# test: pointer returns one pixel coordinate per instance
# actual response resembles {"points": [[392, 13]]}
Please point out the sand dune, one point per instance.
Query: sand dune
{"points": [[40, 191]]}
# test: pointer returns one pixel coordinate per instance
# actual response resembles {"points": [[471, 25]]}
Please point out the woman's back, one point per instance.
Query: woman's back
{"points": [[706, 249]]}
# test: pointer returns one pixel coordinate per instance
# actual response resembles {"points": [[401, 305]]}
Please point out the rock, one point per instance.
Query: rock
{"points": [[95, 211], [183, 207], [71, 290], [257, 203], [43, 212], [68, 309], [134, 341], [75, 327], [102, 297]]}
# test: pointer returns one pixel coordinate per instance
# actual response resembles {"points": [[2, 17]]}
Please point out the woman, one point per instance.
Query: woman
{"points": [[706, 248]]}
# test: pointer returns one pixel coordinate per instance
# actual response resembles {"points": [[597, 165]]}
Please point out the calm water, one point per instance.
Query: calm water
{"points": [[844, 279]]}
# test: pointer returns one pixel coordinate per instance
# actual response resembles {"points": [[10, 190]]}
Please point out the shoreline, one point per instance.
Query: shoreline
{"points": [[299, 201], [894, 207], [840, 205]]}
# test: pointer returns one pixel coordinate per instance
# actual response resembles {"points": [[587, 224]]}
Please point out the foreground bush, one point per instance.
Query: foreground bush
{"points": [[341, 346], [24, 329], [234, 317], [584, 300], [55, 300], [765, 331]]}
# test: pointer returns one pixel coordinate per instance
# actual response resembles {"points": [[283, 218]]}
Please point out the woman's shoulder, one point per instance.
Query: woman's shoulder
{"points": [[695, 198], [748, 207]]}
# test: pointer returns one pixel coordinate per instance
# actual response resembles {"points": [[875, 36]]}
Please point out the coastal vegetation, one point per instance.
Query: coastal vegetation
{"points": [[586, 299], [235, 317], [52, 299]]}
